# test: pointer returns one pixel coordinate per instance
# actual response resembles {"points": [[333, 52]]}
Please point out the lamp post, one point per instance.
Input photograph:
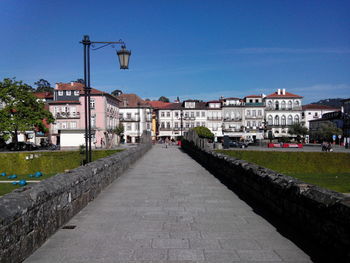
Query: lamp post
{"points": [[123, 55]]}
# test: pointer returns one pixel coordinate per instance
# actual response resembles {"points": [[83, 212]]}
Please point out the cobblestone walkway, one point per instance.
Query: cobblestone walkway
{"points": [[167, 208]]}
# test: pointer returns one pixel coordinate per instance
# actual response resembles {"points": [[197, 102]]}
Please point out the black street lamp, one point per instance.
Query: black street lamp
{"points": [[124, 56]]}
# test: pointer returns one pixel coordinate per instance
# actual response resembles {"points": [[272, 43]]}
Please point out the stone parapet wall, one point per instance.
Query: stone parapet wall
{"points": [[29, 215], [321, 215]]}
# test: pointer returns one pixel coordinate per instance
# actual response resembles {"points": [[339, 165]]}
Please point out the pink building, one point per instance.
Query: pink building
{"points": [[68, 109]]}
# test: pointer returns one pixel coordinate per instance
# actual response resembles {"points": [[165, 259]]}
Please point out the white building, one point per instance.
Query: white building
{"points": [[282, 110], [313, 112], [254, 114], [136, 116]]}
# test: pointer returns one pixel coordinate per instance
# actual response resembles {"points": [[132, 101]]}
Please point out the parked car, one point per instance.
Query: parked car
{"points": [[22, 146], [235, 144]]}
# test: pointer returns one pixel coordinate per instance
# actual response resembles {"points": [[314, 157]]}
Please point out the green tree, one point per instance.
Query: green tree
{"points": [[117, 92], [21, 110], [204, 132], [119, 131], [298, 129], [325, 132], [43, 86], [164, 99]]}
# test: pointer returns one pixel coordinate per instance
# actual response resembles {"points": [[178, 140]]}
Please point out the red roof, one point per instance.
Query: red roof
{"points": [[318, 107], [158, 104], [131, 101], [43, 95], [286, 95]]}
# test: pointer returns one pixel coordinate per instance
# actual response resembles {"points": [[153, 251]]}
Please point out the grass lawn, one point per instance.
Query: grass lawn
{"points": [[328, 170], [49, 163]]}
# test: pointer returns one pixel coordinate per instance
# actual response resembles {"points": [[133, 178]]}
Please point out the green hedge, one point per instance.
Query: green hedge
{"points": [[46, 162]]}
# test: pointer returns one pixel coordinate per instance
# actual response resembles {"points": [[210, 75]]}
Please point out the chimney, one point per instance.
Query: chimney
{"points": [[283, 91], [279, 92], [72, 83]]}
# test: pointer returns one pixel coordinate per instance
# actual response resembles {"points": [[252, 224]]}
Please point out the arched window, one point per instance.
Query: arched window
{"points": [[290, 120], [289, 105], [276, 105], [296, 119], [283, 120], [269, 120], [283, 105], [296, 103], [277, 120], [269, 103]]}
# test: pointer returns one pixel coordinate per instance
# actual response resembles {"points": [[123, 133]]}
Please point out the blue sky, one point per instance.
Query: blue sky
{"points": [[188, 48]]}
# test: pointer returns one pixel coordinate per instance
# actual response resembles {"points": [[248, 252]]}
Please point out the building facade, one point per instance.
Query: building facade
{"points": [[136, 116], [68, 109]]}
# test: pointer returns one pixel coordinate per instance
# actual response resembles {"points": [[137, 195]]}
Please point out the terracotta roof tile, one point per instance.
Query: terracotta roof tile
{"points": [[318, 107], [158, 104], [286, 95], [131, 100]]}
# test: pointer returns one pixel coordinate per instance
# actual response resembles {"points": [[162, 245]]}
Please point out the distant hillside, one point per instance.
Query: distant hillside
{"points": [[335, 103]]}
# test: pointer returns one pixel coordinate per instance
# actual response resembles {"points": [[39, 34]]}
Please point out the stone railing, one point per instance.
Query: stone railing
{"points": [[29, 215], [319, 215]]}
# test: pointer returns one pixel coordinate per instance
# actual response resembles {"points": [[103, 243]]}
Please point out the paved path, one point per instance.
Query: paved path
{"points": [[167, 208]]}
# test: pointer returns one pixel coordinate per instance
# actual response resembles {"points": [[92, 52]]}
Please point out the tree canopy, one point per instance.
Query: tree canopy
{"points": [[204, 132], [21, 111], [164, 99], [326, 131], [117, 92], [298, 129], [43, 86]]}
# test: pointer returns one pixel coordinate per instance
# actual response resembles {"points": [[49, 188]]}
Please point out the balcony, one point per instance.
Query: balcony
{"points": [[67, 115], [256, 104], [214, 118], [131, 119], [232, 119], [283, 109], [165, 129], [189, 118]]}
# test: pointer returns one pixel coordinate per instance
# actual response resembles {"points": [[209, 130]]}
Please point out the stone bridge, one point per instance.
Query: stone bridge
{"points": [[168, 208]]}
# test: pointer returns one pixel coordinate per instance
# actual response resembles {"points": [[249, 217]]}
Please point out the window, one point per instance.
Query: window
{"points": [[289, 105], [277, 120], [250, 101], [283, 120], [197, 114], [283, 105], [290, 120], [259, 112], [128, 115], [192, 114], [203, 124], [128, 127], [276, 105], [120, 116], [63, 125], [168, 114], [176, 125], [198, 124], [93, 121], [76, 93], [162, 125], [203, 113], [176, 114], [68, 93], [269, 120], [296, 119], [248, 112], [73, 125], [254, 124], [162, 114], [248, 123], [192, 124], [254, 113], [168, 125], [92, 104], [60, 93]]}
